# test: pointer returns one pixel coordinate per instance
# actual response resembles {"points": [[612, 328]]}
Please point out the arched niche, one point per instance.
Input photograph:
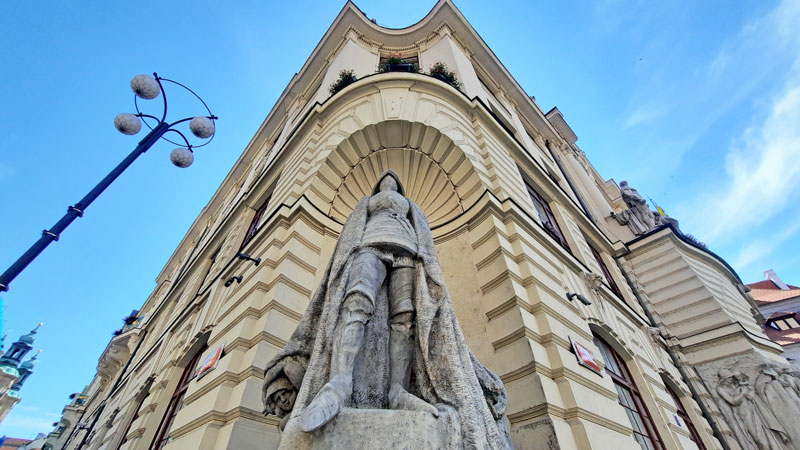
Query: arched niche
{"points": [[426, 183], [435, 172]]}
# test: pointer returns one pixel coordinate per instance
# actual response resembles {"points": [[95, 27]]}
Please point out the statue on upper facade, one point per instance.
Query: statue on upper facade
{"points": [[758, 429], [638, 215], [380, 332]]}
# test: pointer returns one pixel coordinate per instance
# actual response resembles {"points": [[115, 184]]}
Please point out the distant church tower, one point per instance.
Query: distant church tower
{"points": [[14, 372]]}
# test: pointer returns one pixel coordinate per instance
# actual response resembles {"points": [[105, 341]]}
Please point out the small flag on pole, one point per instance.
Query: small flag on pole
{"points": [[658, 208]]}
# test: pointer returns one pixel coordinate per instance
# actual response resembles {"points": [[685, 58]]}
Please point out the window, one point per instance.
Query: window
{"points": [[175, 403], [693, 434], [254, 225], [396, 62], [783, 323], [547, 217], [644, 431], [606, 273]]}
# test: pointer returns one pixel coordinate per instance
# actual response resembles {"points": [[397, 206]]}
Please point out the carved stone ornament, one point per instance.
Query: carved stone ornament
{"points": [[379, 359], [593, 280], [759, 400]]}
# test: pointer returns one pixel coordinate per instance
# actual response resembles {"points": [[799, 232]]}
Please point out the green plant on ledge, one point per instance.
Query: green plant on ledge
{"points": [[346, 78], [396, 63], [440, 71]]}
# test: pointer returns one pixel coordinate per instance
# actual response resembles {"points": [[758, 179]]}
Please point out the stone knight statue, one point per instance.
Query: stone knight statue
{"points": [[380, 332], [638, 215]]}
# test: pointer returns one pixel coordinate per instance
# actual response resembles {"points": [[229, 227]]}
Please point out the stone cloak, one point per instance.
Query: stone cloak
{"points": [[445, 373]]}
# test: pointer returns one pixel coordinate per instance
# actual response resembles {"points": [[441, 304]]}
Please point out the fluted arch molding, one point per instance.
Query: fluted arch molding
{"points": [[419, 127]]}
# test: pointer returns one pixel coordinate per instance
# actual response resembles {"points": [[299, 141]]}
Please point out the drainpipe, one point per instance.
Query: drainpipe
{"points": [[676, 362]]}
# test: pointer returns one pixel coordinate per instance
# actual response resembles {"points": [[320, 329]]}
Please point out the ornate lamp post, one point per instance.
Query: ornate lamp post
{"points": [[145, 87]]}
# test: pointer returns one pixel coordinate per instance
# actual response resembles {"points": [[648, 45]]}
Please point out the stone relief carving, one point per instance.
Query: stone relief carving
{"points": [[758, 400], [772, 390], [379, 343], [594, 281], [790, 377]]}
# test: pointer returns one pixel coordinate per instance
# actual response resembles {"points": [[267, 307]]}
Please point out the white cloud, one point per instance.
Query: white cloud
{"points": [[762, 166], [763, 173], [644, 114], [28, 425], [759, 249], [719, 64]]}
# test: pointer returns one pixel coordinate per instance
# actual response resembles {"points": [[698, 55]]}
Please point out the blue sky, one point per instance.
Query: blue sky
{"points": [[696, 104]]}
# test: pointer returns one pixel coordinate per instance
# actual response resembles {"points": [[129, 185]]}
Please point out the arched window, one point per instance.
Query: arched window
{"points": [[644, 431], [695, 436], [546, 216], [176, 402]]}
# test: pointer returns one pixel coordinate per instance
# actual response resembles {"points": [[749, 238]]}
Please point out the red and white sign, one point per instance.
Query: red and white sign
{"points": [[210, 363], [585, 356]]}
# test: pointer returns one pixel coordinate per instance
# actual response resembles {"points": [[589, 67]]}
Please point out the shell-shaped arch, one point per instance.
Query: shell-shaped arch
{"points": [[425, 181], [435, 172]]}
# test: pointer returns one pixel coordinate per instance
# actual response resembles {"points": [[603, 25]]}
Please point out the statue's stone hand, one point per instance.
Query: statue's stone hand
{"points": [[400, 398]]}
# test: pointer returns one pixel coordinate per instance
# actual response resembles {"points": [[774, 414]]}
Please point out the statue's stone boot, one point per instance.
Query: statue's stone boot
{"points": [[400, 348], [399, 398], [336, 392], [327, 403]]}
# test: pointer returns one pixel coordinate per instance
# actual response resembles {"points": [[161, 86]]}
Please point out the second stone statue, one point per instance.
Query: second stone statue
{"points": [[379, 352]]}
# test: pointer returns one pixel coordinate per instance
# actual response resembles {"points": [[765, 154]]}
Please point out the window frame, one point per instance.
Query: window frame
{"points": [[694, 435], [623, 380], [782, 323], [176, 401], [606, 272], [549, 222], [252, 230]]}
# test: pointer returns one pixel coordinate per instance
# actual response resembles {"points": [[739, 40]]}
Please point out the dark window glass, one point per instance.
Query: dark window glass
{"points": [[401, 63], [253, 229], [644, 431], [547, 217], [606, 272], [695, 436], [175, 403]]}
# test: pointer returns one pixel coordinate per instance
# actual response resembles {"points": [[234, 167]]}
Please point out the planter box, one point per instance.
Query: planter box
{"points": [[399, 67], [443, 78]]}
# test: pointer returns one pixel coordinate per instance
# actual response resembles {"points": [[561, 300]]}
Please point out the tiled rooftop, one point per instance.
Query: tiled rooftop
{"points": [[766, 292]]}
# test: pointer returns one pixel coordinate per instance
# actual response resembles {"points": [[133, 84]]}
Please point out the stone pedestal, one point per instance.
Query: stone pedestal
{"points": [[357, 429]]}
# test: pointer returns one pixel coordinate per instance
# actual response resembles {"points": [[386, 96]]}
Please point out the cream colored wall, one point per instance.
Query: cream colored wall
{"points": [[696, 299], [507, 277]]}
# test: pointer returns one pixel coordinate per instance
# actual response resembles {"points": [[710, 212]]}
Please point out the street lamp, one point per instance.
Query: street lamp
{"points": [[145, 87]]}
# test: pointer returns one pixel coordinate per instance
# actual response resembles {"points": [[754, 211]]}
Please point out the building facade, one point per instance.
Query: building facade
{"points": [[608, 326]]}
